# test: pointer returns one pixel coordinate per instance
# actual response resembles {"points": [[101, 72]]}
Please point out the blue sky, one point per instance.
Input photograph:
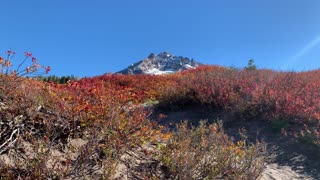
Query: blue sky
{"points": [[92, 37]]}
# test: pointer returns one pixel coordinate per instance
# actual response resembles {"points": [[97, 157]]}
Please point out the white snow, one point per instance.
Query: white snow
{"points": [[156, 71], [188, 66]]}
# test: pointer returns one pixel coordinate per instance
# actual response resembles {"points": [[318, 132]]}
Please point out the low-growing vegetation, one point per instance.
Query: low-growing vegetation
{"points": [[206, 152], [101, 127]]}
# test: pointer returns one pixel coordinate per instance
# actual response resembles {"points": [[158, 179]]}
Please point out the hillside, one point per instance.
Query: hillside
{"points": [[131, 126]]}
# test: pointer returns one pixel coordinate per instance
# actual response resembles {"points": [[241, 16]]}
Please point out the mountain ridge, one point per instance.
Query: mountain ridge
{"points": [[162, 63]]}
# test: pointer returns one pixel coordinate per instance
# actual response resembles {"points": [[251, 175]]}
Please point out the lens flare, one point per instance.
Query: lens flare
{"points": [[307, 48]]}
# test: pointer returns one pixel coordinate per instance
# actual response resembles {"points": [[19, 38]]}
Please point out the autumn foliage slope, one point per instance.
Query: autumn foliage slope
{"points": [[108, 114]]}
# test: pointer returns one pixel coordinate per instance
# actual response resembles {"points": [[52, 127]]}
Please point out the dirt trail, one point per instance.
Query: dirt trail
{"points": [[287, 158]]}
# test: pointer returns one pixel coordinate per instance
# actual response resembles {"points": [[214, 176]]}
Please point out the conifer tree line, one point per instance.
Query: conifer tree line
{"points": [[57, 79]]}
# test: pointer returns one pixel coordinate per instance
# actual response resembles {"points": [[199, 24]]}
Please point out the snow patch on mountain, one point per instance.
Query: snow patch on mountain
{"points": [[158, 72]]}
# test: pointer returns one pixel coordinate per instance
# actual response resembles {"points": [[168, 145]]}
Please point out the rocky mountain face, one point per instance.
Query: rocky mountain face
{"points": [[163, 63]]}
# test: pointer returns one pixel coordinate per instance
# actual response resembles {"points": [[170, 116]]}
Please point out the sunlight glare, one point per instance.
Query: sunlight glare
{"points": [[315, 42]]}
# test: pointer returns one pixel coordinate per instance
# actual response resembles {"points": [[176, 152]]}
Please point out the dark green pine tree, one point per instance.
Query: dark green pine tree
{"points": [[251, 65]]}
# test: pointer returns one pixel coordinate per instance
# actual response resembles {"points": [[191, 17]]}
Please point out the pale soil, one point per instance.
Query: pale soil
{"points": [[287, 158]]}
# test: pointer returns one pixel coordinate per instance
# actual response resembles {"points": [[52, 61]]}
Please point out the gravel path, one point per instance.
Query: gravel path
{"points": [[276, 172]]}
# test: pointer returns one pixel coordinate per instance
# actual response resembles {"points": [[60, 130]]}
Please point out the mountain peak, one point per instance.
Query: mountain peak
{"points": [[164, 54], [163, 63], [151, 56]]}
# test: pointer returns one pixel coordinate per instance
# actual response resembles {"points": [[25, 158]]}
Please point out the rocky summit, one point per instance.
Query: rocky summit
{"points": [[163, 63]]}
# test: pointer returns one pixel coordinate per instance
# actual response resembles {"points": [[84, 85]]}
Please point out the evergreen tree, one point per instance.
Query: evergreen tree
{"points": [[251, 65]]}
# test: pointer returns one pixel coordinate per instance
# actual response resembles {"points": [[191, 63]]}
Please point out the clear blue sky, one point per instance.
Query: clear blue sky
{"points": [[92, 37]]}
